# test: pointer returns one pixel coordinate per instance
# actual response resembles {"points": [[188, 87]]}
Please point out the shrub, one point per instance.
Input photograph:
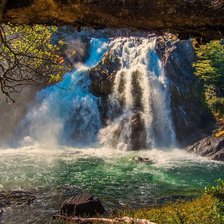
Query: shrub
{"points": [[207, 209], [210, 64], [209, 67]]}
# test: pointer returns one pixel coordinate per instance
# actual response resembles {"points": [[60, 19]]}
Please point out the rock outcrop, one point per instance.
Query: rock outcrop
{"points": [[102, 76], [211, 147], [186, 17], [140, 159], [192, 120]]}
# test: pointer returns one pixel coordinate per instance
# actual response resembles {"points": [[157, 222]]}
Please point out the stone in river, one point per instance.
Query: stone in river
{"points": [[82, 205]]}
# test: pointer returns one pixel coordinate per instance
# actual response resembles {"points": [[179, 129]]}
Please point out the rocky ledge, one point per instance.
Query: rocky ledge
{"points": [[188, 18], [211, 147]]}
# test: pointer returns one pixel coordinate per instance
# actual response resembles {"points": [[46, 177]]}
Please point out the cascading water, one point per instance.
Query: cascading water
{"points": [[141, 92], [69, 114]]}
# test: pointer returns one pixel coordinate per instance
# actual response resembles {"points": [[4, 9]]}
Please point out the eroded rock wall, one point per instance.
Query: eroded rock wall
{"points": [[192, 119], [203, 18]]}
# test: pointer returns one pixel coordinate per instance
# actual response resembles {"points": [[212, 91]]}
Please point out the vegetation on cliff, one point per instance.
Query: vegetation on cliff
{"points": [[207, 209], [210, 69]]}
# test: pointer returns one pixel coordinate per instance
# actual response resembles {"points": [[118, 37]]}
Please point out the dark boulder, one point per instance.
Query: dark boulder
{"points": [[82, 205], [11, 4], [211, 147]]}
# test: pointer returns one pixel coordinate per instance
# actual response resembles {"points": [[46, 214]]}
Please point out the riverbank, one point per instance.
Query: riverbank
{"points": [[206, 209]]}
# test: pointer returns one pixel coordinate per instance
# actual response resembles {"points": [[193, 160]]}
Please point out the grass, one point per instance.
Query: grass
{"points": [[207, 209]]}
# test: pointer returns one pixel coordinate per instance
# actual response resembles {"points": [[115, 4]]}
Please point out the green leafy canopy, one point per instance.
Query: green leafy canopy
{"points": [[209, 67]]}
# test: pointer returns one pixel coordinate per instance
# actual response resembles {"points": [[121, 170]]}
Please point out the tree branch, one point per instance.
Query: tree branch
{"points": [[79, 220]]}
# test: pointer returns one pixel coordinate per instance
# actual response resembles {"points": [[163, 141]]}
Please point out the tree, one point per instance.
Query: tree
{"points": [[209, 67], [28, 57], [210, 64]]}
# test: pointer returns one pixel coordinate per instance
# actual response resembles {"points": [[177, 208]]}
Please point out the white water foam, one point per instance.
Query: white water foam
{"points": [[140, 63], [67, 113]]}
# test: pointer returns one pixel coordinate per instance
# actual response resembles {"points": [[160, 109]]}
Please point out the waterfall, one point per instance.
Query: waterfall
{"points": [[142, 94], [138, 114], [67, 113]]}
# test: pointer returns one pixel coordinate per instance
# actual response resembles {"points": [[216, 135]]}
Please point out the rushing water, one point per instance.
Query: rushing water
{"points": [[140, 88], [64, 147]]}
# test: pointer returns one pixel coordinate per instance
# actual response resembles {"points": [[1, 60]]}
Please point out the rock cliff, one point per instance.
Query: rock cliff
{"points": [[203, 18], [192, 119], [211, 147]]}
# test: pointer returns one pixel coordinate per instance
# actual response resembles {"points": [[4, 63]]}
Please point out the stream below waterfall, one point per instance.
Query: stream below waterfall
{"points": [[55, 174], [62, 147]]}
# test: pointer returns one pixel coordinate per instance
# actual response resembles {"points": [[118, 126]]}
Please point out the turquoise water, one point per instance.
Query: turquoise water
{"points": [[112, 175]]}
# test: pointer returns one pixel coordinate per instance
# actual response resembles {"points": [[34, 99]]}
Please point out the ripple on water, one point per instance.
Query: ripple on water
{"points": [[58, 173]]}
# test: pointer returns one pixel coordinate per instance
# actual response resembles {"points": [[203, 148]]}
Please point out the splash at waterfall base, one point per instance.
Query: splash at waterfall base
{"points": [[131, 98]]}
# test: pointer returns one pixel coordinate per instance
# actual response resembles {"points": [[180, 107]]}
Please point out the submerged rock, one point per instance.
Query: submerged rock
{"points": [[16, 198], [82, 205], [143, 160], [211, 147]]}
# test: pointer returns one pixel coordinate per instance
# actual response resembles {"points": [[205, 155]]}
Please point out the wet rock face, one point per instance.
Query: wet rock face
{"points": [[187, 18], [102, 79], [9, 120], [102, 76], [138, 134], [211, 147], [192, 120], [131, 131]]}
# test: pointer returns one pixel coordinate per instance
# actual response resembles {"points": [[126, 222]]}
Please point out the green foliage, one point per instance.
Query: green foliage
{"points": [[210, 69], [28, 57], [215, 103], [217, 192], [210, 64], [208, 209]]}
